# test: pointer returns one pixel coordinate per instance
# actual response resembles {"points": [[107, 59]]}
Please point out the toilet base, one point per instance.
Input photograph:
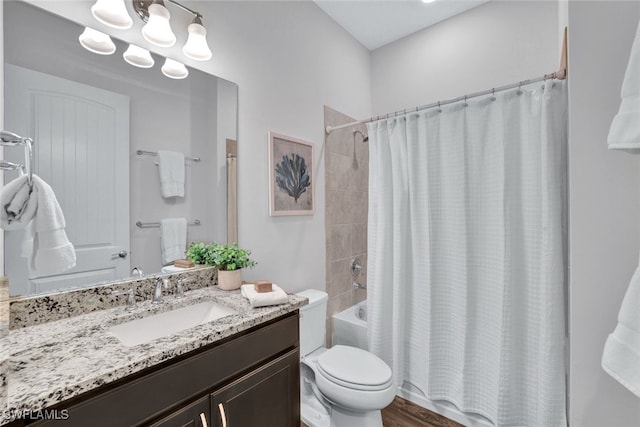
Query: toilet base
{"points": [[343, 418], [314, 414]]}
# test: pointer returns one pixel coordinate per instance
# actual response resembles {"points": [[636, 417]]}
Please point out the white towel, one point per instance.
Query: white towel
{"points": [[625, 128], [621, 356], [171, 269], [37, 211], [173, 239], [256, 299], [172, 172]]}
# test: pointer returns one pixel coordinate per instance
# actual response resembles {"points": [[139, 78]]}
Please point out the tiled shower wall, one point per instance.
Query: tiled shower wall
{"points": [[346, 195]]}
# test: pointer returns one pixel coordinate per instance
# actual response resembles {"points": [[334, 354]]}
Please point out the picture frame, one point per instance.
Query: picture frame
{"points": [[291, 179]]}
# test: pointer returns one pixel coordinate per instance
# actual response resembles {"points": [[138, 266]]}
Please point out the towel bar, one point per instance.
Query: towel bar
{"points": [[153, 153], [141, 224]]}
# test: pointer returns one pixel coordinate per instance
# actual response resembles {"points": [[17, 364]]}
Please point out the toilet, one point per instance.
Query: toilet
{"points": [[341, 386]]}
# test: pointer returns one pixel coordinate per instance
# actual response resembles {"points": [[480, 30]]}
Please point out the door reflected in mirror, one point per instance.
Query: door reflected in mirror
{"points": [[89, 115]]}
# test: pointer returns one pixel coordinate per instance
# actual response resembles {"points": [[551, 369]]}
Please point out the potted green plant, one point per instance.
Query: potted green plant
{"points": [[228, 259]]}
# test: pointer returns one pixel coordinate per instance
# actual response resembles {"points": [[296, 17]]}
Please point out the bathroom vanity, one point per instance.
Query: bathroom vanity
{"points": [[238, 370]]}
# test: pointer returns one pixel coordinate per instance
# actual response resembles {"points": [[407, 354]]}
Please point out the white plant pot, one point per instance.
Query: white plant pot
{"points": [[229, 280]]}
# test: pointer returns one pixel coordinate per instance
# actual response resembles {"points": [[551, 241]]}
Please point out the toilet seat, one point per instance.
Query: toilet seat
{"points": [[354, 368]]}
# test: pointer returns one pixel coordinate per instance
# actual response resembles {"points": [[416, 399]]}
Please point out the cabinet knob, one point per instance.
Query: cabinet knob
{"points": [[203, 419], [223, 416]]}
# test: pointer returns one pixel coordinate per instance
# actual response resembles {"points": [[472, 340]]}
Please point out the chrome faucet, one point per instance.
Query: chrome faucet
{"points": [[137, 272], [180, 287], [131, 300], [161, 282]]}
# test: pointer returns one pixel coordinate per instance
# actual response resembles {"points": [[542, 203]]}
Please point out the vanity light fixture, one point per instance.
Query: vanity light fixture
{"points": [[428, 1], [157, 30], [138, 57], [196, 46], [112, 13], [174, 69], [96, 42]]}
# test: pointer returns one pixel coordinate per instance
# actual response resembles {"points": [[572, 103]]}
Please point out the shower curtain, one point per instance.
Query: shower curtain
{"points": [[467, 253]]}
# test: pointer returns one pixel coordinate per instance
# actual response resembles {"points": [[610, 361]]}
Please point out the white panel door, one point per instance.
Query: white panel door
{"points": [[81, 148]]}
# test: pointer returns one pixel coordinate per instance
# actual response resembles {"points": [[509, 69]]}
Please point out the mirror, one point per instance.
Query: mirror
{"points": [[89, 115]]}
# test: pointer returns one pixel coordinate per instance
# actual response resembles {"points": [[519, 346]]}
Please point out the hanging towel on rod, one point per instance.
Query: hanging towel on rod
{"points": [[172, 173], [625, 128], [621, 356], [37, 212], [173, 239]]}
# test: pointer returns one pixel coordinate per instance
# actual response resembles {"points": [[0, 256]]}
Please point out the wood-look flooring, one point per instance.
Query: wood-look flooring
{"points": [[402, 413]]}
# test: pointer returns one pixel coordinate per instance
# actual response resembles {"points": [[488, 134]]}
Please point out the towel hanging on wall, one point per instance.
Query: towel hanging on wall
{"points": [[624, 133], [173, 239], [621, 356], [172, 173], [37, 211]]}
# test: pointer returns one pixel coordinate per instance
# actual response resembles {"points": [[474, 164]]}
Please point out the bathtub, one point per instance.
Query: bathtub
{"points": [[350, 328]]}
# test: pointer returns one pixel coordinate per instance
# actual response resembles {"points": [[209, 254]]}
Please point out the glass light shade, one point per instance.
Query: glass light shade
{"points": [[174, 69], [196, 46], [112, 13], [138, 57], [157, 30], [96, 42]]}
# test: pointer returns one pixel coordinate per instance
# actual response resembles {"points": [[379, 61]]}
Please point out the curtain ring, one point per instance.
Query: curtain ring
{"points": [[519, 92], [465, 101], [493, 94], [439, 109]]}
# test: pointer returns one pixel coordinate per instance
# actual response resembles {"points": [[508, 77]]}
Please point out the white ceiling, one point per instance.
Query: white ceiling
{"points": [[376, 23]]}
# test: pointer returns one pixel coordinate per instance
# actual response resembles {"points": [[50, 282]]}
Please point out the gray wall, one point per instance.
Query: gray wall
{"points": [[494, 44], [604, 204]]}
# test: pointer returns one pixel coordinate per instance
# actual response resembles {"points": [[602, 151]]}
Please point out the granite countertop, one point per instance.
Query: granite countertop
{"points": [[55, 361]]}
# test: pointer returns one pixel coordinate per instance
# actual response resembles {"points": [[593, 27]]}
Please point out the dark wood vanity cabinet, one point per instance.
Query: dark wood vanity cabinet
{"points": [[267, 396], [250, 379], [196, 414]]}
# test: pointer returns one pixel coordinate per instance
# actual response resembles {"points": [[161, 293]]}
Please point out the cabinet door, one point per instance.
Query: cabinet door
{"points": [[267, 396], [196, 414]]}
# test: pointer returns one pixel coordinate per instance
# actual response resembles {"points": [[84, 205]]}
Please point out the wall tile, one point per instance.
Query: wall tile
{"points": [[339, 170], [339, 244], [346, 206], [338, 207], [358, 239]]}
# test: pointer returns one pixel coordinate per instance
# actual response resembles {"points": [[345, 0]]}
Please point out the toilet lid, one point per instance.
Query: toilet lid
{"points": [[355, 366]]}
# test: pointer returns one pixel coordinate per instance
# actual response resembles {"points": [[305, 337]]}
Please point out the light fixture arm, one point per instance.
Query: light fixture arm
{"points": [[193, 12], [141, 8]]}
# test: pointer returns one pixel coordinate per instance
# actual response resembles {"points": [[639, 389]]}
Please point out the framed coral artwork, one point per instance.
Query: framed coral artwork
{"points": [[290, 176]]}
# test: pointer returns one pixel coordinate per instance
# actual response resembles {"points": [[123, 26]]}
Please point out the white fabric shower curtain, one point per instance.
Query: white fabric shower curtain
{"points": [[466, 253]]}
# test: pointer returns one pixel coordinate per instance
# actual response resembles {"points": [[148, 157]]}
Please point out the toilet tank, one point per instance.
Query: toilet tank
{"points": [[313, 321]]}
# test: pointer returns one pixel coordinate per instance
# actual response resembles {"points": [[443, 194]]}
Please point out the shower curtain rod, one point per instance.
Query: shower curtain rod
{"points": [[561, 74]]}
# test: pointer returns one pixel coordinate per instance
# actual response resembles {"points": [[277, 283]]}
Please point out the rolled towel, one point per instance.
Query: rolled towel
{"points": [[172, 173], [170, 269], [275, 297]]}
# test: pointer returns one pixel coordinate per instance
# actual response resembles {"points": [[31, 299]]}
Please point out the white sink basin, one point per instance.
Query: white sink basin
{"points": [[160, 325]]}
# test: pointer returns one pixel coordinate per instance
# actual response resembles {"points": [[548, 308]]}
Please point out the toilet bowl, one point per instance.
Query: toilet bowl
{"points": [[341, 386]]}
